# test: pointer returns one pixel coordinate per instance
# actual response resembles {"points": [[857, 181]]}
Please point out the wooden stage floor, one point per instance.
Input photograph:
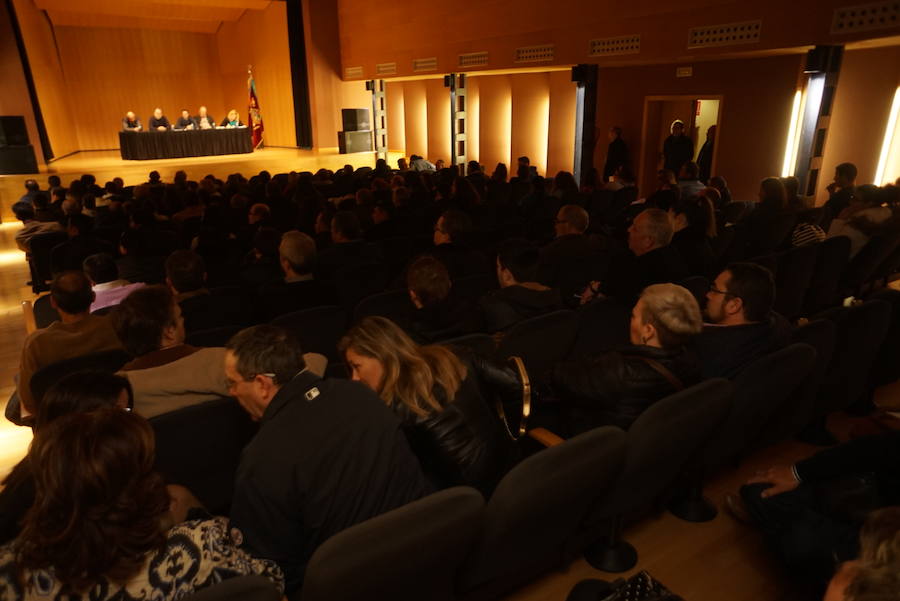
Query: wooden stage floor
{"points": [[107, 164], [722, 560]]}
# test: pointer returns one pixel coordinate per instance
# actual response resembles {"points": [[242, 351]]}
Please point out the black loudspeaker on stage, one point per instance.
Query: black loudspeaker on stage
{"points": [[354, 141], [355, 120], [16, 154]]}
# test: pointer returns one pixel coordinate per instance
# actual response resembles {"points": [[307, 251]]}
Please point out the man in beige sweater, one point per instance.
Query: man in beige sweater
{"points": [[77, 333]]}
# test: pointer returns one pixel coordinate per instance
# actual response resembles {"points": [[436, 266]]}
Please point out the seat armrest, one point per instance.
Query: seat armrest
{"points": [[546, 437], [28, 314]]}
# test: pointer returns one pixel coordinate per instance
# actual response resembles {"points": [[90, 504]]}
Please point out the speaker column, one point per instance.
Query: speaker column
{"points": [[585, 118]]}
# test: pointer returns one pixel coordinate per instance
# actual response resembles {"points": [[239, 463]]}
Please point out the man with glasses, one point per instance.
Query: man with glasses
{"points": [[328, 453], [742, 326], [573, 258]]}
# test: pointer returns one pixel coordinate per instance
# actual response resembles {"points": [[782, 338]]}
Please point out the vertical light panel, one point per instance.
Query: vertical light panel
{"points": [[474, 118], [561, 134], [790, 154], [396, 117], [531, 118], [438, 104], [890, 154], [416, 118], [495, 120]]}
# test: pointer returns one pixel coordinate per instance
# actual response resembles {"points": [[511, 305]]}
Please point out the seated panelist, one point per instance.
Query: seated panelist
{"points": [[159, 121], [185, 121], [130, 122], [204, 120], [233, 120]]}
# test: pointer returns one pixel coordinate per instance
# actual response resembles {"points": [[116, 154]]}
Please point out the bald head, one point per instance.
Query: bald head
{"points": [[571, 219], [130, 115], [71, 293], [298, 253]]}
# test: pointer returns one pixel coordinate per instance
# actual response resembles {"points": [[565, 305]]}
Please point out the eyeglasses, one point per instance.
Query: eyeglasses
{"points": [[231, 383], [712, 288]]}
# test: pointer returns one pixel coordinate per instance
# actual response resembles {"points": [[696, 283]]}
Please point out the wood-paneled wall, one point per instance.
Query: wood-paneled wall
{"points": [[15, 100], [47, 71], [111, 71], [259, 38]]}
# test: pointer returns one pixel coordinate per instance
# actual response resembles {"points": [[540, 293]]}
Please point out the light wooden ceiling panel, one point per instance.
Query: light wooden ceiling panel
{"points": [[70, 19]]}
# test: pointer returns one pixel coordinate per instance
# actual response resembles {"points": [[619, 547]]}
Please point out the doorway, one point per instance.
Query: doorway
{"points": [[698, 113]]}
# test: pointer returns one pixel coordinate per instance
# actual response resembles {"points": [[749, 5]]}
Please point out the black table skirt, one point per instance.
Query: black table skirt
{"points": [[146, 145]]}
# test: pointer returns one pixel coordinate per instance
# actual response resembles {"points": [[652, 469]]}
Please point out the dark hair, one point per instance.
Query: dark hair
{"points": [[99, 506], [82, 223], [23, 211], [266, 241], [524, 159], [520, 257], [267, 349], [41, 200], [428, 278], [185, 269], [847, 170], [31, 185], [456, 224], [140, 319], [699, 212], [346, 223], [53, 181], [79, 392], [101, 268], [773, 192], [755, 286], [691, 170], [132, 241], [71, 291]]}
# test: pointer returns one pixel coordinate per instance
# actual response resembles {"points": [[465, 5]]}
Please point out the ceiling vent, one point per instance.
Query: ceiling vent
{"points": [[534, 54], [624, 44], [385, 68], [351, 72], [866, 17], [425, 64], [473, 59], [729, 34]]}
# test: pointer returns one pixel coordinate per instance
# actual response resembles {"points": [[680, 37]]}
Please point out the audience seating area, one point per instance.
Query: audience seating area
{"points": [[577, 496]]}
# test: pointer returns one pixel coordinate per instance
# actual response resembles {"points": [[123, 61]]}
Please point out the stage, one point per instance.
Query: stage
{"points": [[107, 164]]}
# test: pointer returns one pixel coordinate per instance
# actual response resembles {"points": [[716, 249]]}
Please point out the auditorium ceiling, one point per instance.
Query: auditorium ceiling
{"points": [[201, 16]]}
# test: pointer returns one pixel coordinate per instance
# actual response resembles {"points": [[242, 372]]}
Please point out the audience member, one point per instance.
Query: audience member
{"points": [[652, 260], [150, 327], [298, 289], [435, 393], [75, 393], [70, 254], [742, 325], [616, 387], [109, 289], [689, 180], [328, 453], [718, 182], [694, 226], [568, 262], [616, 153], [520, 296], [678, 148], [348, 247], [44, 211], [32, 189], [793, 200], [440, 312], [705, 156], [77, 333], [24, 212], [863, 218], [186, 278], [452, 232], [841, 192], [103, 521]]}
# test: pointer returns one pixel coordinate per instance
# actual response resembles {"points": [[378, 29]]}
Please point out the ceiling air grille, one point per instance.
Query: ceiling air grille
{"points": [[351, 72], [729, 34], [623, 44], [534, 54], [425, 64], [473, 59], [385, 68], [866, 17]]}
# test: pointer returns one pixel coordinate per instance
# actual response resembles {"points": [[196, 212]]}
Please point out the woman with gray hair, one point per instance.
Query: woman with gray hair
{"points": [[615, 387]]}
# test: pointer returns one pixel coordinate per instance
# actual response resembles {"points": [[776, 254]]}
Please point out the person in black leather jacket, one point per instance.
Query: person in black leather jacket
{"points": [[616, 387], [436, 392]]}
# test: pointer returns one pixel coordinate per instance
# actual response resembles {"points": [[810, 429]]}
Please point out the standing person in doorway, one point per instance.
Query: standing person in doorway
{"points": [[705, 156], [678, 149], [616, 153]]}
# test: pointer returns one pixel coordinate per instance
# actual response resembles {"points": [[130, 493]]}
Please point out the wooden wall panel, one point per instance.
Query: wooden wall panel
{"points": [[111, 71], [53, 94], [396, 117], [259, 38], [473, 94], [495, 120], [561, 135], [530, 118], [15, 100], [438, 109], [415, 117]]}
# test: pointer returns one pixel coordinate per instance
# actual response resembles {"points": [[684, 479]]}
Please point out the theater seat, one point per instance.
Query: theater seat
{"points": [[536, 510], [199, 447], [394, 304], [409, 554], [318, 329], [44, 313], [822, 293], [43, 379], [480, 344], [541, 341], [212, 337], [795, 270], [602, 325]]}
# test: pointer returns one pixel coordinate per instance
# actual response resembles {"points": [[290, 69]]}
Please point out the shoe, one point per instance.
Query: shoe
{"points": [[734, 505]]}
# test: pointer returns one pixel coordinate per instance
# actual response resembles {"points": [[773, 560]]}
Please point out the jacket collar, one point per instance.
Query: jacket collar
{"points": [[298, 386]]}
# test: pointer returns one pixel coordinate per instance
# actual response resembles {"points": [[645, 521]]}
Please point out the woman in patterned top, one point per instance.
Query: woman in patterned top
{"points": [[101, 527]]}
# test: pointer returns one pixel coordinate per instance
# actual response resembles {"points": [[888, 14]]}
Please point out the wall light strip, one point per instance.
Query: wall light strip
{"points": [[888, 138], [789, 156]]}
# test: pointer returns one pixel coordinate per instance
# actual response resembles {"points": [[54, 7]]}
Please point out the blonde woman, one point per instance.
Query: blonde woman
{"points": [[232, 120], [454, 431]]}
